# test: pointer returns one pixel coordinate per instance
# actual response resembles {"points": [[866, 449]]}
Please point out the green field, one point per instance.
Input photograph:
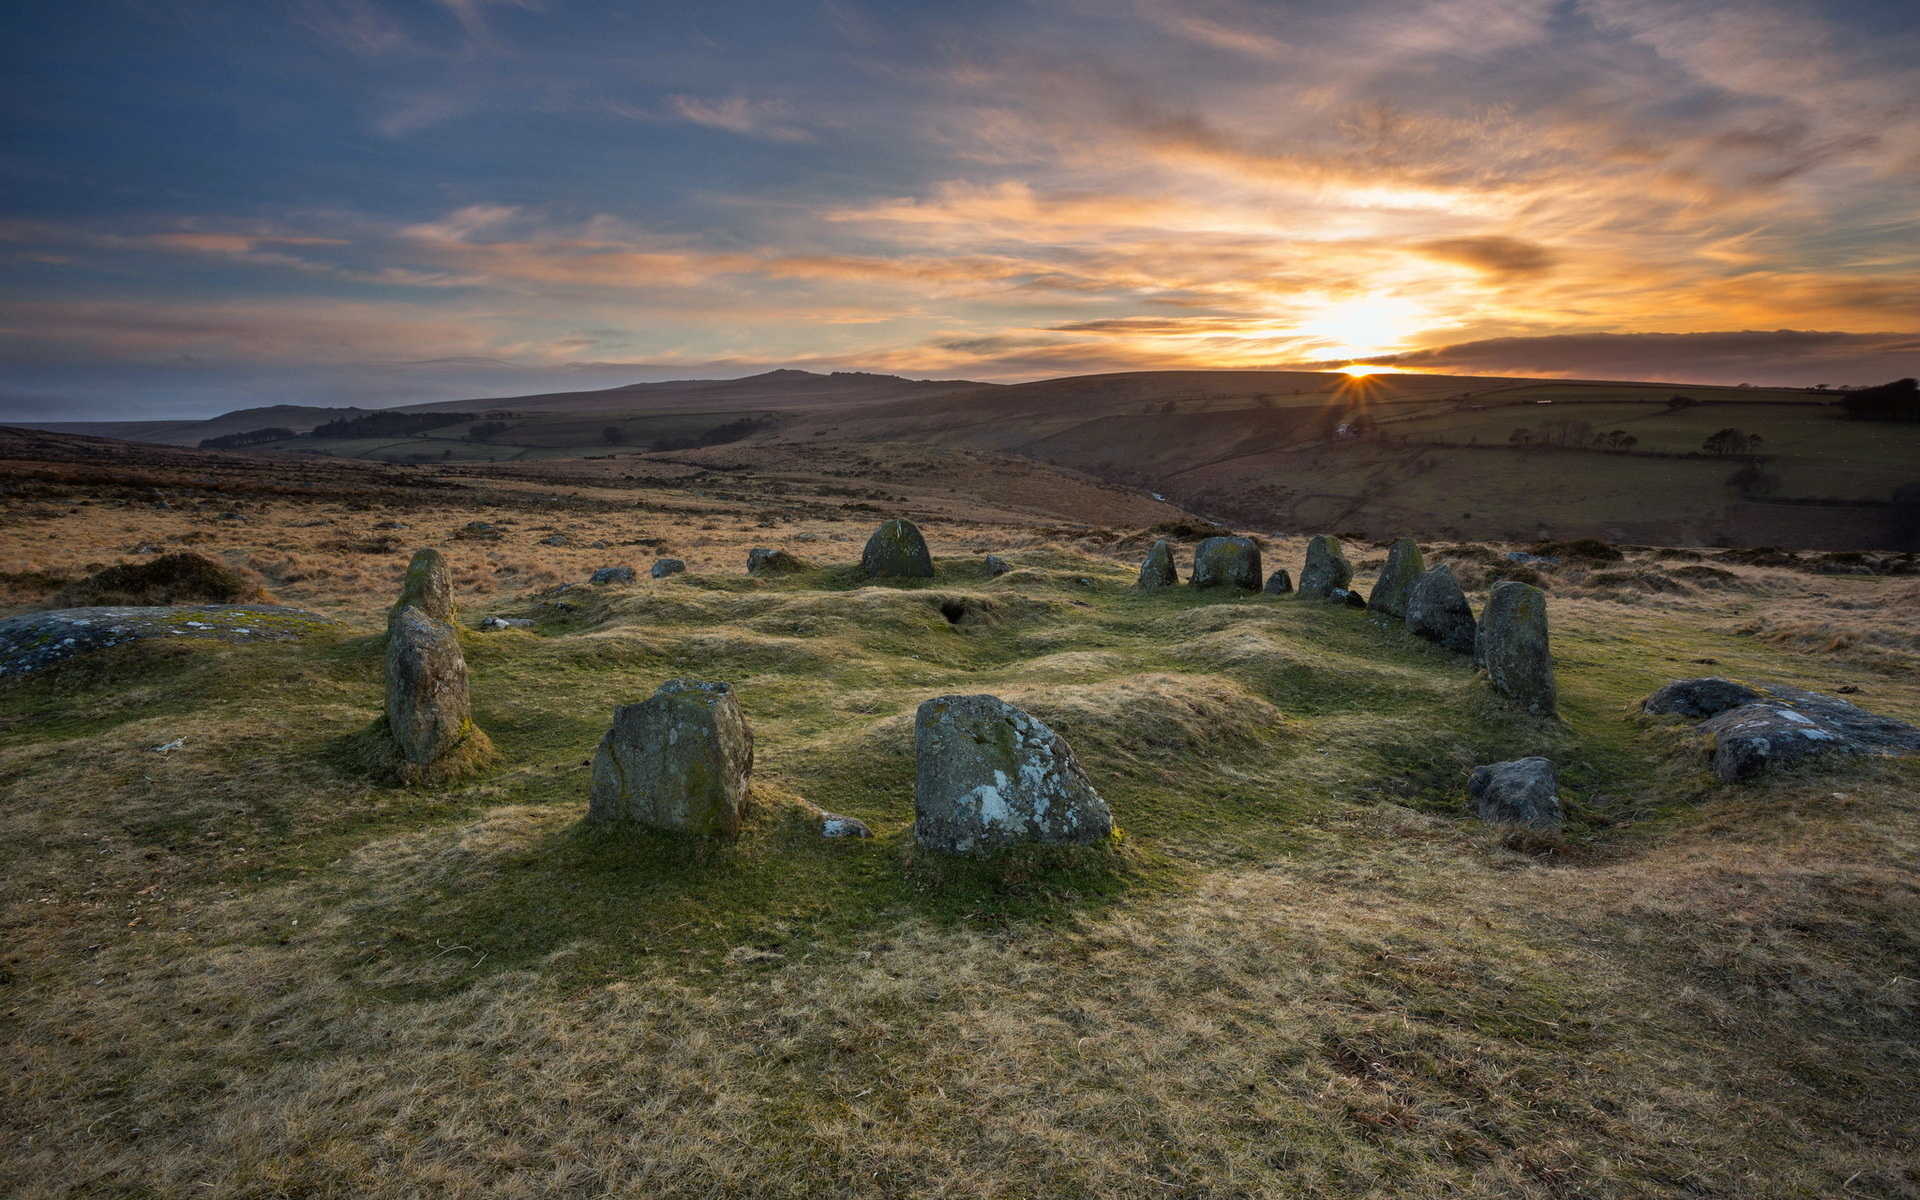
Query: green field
{"points": [[526, 439]]}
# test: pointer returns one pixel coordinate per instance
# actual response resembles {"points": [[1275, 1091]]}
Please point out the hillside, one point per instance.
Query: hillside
{"points": [[785, 389], [242, 966]]}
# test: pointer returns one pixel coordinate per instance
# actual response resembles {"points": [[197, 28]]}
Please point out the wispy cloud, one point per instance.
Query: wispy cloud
{"points": [[769, 119]]}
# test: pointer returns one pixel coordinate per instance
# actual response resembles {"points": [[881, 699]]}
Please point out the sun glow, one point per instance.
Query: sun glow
{"points": [[1359, 370], [1363, 325]]}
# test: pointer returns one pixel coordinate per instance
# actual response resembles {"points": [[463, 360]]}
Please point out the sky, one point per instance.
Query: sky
{"points": [[214, 204]]}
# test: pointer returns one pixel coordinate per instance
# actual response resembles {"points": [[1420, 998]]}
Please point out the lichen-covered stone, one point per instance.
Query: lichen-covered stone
{"points": [[428, 713], [1525, 791], [1438, 611], [612, 575], [1405, 566], [1227, 562], [1752, 726], [1513, 646], [897, 551], [679, 760], [762, 561], [35, 641], [1326, 571], [1280, 583], [666, 566], [997, 566], [1705, 697], [1156, 570], [989, 776], [428, 586], [1348, 598]]}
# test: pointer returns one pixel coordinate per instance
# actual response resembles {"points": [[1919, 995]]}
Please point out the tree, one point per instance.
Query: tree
{"points": [[1896, 401], [612, 436], [1729, 442], [1520, 437], [1752, 481], [486, 430], [1677, 402]]}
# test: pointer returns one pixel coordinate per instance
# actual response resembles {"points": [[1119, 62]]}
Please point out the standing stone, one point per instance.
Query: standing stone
{"points": [[897, 551], [989, 776], [1438, 611], [1512, 645], [1405, 566], [663, 567], [428, 714], [762, 561], [1278, 584], [1227, 562], [678, 760], [997, 566], [612, 575], [428, 587], [1156, 571], [1522, 792], [1327, 569]]}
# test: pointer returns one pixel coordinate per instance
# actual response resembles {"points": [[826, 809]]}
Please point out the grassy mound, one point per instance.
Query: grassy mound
{"points": [[183, 578]]}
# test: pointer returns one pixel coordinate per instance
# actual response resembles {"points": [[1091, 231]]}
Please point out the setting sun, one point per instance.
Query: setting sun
{"points": [[1359, 371]]}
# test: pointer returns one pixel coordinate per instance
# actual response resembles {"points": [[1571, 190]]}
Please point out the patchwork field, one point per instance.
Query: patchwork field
{"points": [[241, 968]]}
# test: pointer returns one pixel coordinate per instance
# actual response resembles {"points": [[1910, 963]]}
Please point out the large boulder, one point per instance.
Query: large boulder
{"points": [[611, 575], [35, 641], [1278, 584], [1751, 726], [428, 713], [1227, 562], [1394, 588], [1438, 611], [1156, 570], [989, 775], [1512, 645], [897, 551], [1326, 571], [679, 760], [1522, 792], [663, 567], [762, 561]]}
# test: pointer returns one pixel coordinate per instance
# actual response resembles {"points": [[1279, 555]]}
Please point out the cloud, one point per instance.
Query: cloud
{"points": [[1787, 357], [1493, 254], [766, 119]]}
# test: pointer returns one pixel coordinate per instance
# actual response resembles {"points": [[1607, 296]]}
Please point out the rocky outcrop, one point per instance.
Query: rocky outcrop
{"points": [[1393, 590], [1512, 645], [36, 641], [1525, 791], [1156, 570], [762, 561], [663, 567], [1752, 726], [612, 575], [1438, 611], [897, 550], [1227, 562], [429, 717], [427, 587], [679, 760], [989, 776], [1326, 571], [1278, 584]]}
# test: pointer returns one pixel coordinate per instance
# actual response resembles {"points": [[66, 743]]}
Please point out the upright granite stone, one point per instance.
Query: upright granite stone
{"points": [[762, 561], [428, 714], [1512, 645], [1525, 791], [989, 776], [1156, 570], [1278, 584], [428, 587], [678, 760], [1438, 611], [663, 567], [1405, 566], [1227, 562], [897, 551], [1326, 571]]}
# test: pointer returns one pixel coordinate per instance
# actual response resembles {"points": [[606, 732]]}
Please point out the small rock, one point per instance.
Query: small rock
{"points": [[390, 525], [1226, 562], [1525, 791], [762, 561], [989, 775], [1438, 611], [1348, 598], [1524, 559], [1156, 570], [1278, 584], [667, 566], [554, 539], [897, 550], [1405, 566], [1326, 570], [492, 623], [1512, 645], [997, 566], [597, 545], [679, 760], [612, 575], [806, 537], [834, 825]]}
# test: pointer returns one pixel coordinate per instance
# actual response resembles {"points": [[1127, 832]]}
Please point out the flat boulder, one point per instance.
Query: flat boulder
{"points": [[429, 716], [1156, 570], [1751, 726], [1525, 791], [762, 561], [1512, 645], [1394, 589], [1278, 584], [990, 776], [612, 575], [428, 586], [35, 641], [1227, 562], [663, 567], [678, 760], [897, 550], [1438, 610], [1326, 571]]}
